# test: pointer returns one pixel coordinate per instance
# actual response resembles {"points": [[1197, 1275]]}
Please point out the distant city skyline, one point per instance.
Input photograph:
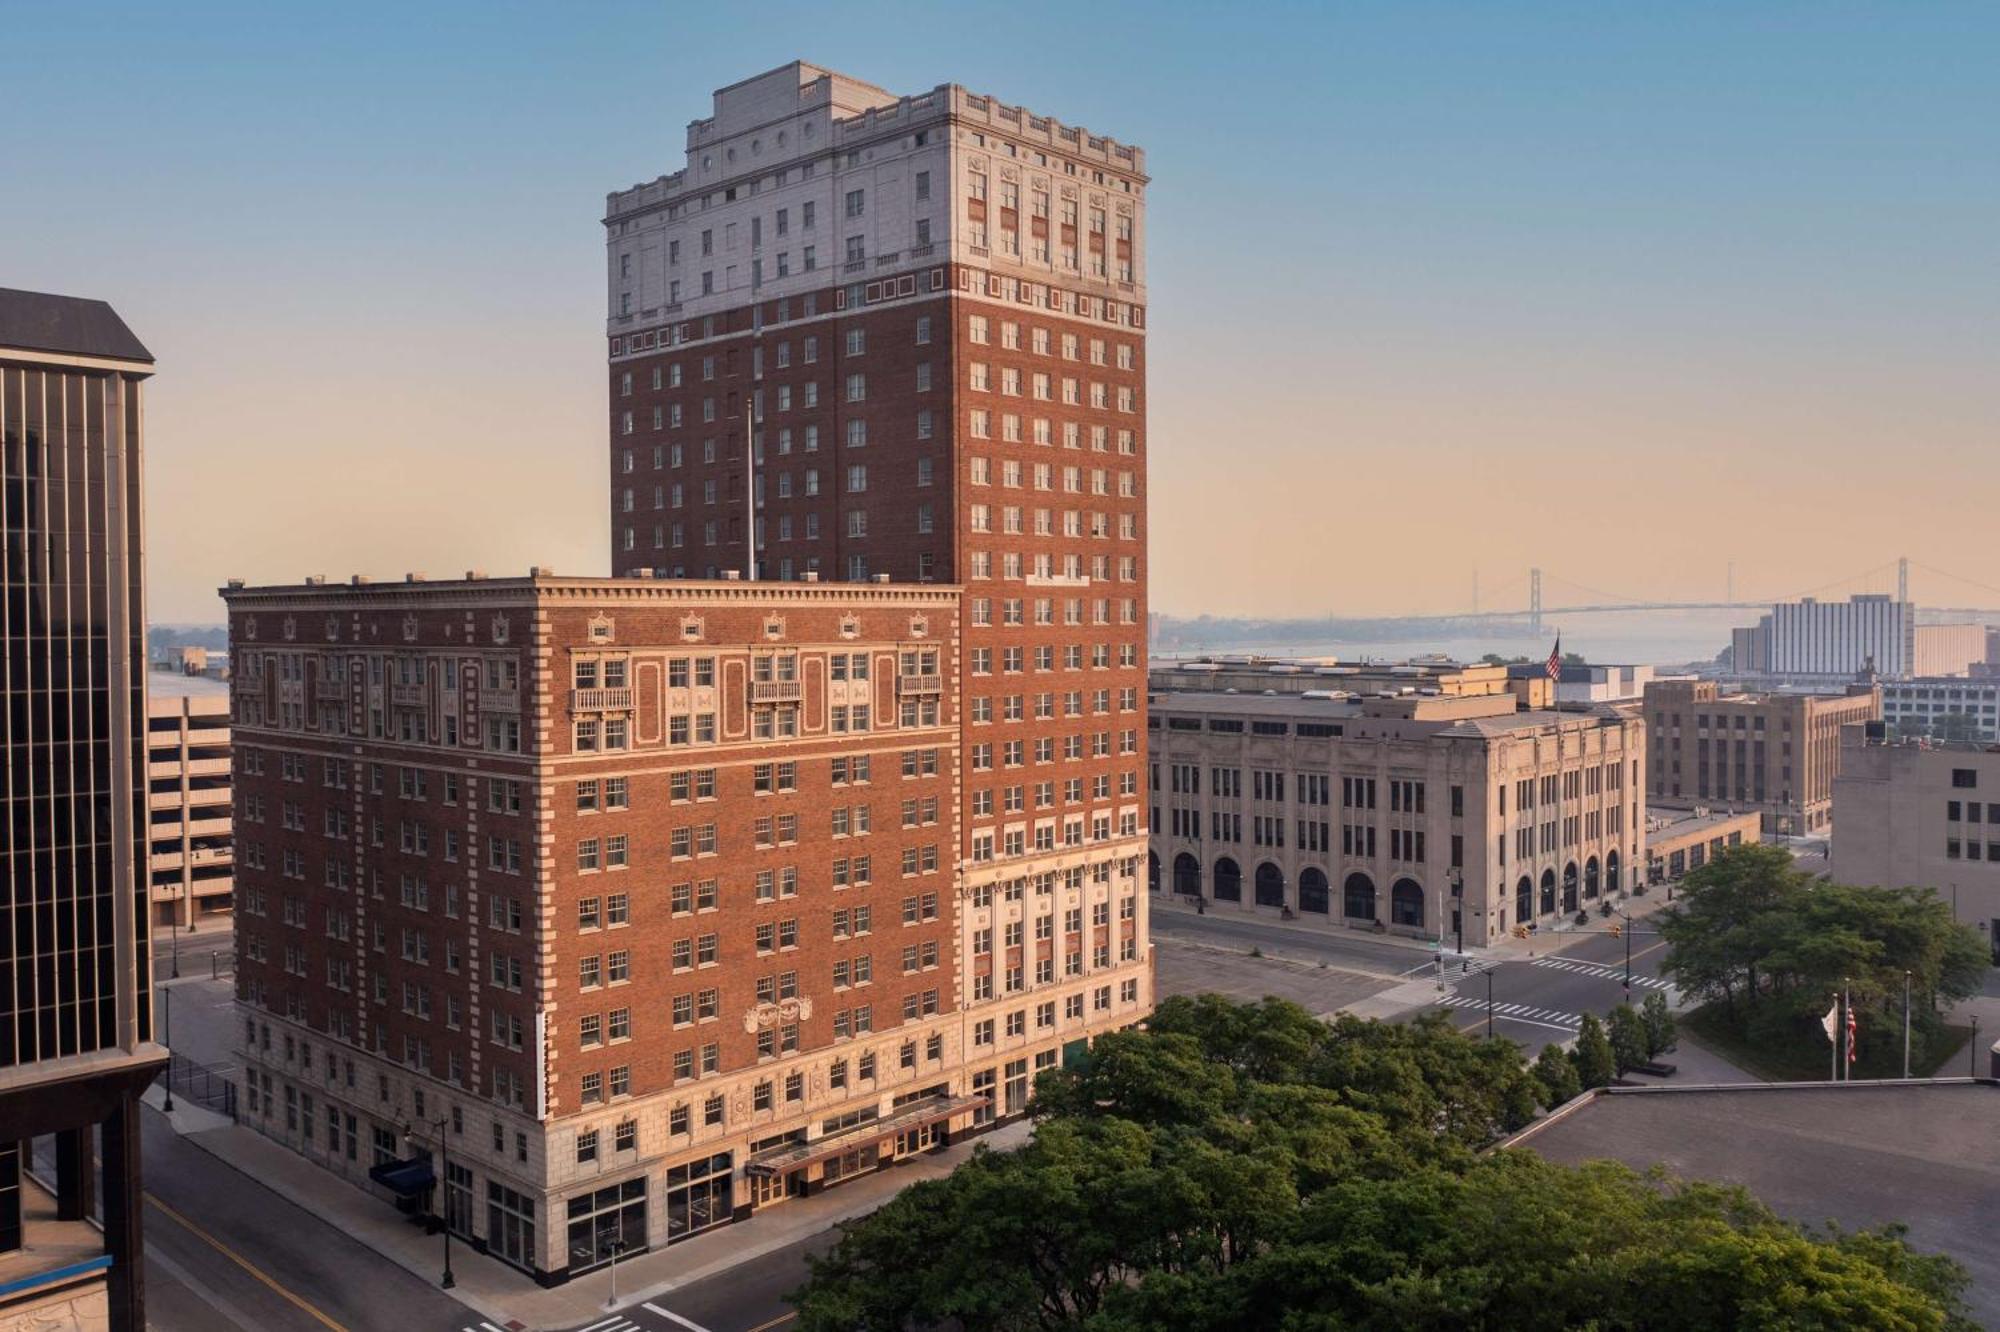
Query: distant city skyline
{"points": [[1625, 295]]}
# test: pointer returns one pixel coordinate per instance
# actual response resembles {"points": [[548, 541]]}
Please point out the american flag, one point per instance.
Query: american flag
{"points": [[1556, 660]]}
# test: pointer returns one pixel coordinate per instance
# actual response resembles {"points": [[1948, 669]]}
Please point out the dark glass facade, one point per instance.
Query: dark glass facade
{"points": [[76, 1045], [73, 723]]}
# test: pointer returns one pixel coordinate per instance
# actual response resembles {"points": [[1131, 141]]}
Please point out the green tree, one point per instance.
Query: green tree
{"points": [[1726, 919], [1628, 1039], [1659, 1023], [1557, 1074], [1770, 943], [1596, 1065], [1318, 1176]]}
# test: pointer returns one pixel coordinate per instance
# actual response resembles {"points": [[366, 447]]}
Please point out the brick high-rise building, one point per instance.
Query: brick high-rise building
{"points": [[861, 334], [638, 894]]}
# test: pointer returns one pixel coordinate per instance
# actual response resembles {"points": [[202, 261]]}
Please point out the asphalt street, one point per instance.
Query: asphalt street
{"points": [[749, 1297], [1350, 950], [223, 1251], [1540, 1000]]}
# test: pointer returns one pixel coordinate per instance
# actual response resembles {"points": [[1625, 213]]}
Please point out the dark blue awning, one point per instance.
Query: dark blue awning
{"points": [[404, 1177]]}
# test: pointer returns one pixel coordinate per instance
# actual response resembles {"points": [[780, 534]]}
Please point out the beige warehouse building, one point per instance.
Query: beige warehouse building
{"points": [[1379, 812], [1922, 813], [192, 860], [1773, 753]]}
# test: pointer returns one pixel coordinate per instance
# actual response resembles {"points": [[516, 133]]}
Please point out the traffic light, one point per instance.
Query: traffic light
{"points": [[1616, 929]]}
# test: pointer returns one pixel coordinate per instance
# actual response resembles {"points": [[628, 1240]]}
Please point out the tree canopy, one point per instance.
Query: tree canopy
{"points": [[1237, 1166], [1773, 944]]}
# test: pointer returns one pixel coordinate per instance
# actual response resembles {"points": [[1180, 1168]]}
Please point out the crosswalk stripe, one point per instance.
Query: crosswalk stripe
{"points": [[687, 1323]]}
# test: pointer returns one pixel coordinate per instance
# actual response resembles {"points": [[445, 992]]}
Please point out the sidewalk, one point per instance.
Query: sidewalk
{"points": [[1539, 943], [507, 1297]]}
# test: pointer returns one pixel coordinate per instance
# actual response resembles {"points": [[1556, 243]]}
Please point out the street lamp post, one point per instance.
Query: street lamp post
{"points": [[1489, 1003], [177, 941], [167, 1033], [611, 1301], [447, 1281]]}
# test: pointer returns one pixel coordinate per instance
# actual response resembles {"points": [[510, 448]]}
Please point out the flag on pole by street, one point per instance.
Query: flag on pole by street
{"points": [[1555, 666], [1850, 1034], [1831, 1022]]}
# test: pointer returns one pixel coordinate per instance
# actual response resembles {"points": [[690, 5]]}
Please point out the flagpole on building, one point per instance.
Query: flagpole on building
{"points": [[750, 483], [1833, 1044]]}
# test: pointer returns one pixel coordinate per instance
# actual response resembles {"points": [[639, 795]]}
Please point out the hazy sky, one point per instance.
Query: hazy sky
{"points": [[1624, 291]]}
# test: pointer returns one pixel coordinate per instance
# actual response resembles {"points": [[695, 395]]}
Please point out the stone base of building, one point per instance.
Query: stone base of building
{"points": [[78, 1306]]}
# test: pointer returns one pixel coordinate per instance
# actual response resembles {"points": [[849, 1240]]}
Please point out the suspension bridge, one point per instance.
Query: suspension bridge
{"points": [[1539, 607]]}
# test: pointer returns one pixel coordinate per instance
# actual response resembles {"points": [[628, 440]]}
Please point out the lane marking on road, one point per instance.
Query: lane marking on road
{"points": [[615, 1323], [687, 1323], [201, 1290], [244, 1263], [779, 1321]]}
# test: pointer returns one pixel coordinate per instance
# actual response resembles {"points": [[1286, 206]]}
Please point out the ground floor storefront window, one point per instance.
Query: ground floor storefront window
{"points": [[607, 1221], [510, 1225], [700, 1195]]}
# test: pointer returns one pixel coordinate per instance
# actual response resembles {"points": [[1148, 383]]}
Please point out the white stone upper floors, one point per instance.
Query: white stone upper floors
{"points": [[804, 178]]}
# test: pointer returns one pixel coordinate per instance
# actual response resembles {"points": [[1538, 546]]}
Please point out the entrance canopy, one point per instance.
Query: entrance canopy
{"points": [[781, 1160]]}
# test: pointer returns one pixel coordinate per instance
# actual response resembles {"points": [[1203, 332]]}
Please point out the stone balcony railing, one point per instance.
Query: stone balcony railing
{"points": [[607, 698], [777, 691]]}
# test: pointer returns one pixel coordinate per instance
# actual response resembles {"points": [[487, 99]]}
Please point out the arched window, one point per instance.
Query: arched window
{"points": [[1313, 894], [1406, 903], [1228, 881], [1358, 897], [1270, 885], [1187, 875], [1590, 877], [1569, 886], [1611, 880], [1524, 900], [1548, 892], [1153, 871]]}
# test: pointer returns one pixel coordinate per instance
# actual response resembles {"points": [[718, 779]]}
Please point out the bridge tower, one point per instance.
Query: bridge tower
{"points": [[1535, 602], [1903, 578]]}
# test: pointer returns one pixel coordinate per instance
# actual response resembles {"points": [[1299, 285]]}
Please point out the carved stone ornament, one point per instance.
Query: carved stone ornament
{"points": [[920, 626], [602, 628], [250, 627], [774, 626], [770, 1015], [291, 628], [691, 628], [850, 626], [333, 628], [410, 627], [499, 627]]}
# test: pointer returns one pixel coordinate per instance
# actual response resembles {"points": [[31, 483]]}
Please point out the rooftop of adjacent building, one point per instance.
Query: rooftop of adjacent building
{"points": [[1877, 735], [857, 107], [1713, 693], [1859, 1153], [543, 584], [173, 686], [37, 321], [1462, 714], [1673, 822]]}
